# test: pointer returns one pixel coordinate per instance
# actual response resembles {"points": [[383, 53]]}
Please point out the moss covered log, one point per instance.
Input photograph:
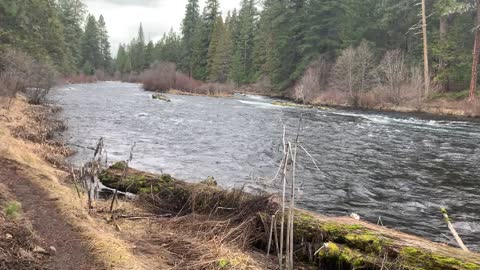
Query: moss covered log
{"points": [[161, 97], [325, 242]]}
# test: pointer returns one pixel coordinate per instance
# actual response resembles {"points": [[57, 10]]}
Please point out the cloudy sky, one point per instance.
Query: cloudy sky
{"points": [[157, 16]]}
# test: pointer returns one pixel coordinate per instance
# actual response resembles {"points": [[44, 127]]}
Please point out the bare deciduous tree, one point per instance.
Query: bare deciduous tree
{"points": [[20, 73], [15, 68], [353, 71], [392, 71], [314, 80], [41, 80], [344, 78]]}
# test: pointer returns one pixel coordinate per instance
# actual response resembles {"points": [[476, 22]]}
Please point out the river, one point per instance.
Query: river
{"points": [[399, 167]]}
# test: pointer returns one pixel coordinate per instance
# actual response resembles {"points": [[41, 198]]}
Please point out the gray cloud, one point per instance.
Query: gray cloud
{"points": [[147, 3], [157, 16]]}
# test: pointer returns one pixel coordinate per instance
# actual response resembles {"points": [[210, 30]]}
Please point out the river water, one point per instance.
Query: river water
{"points": [[394, 166]]}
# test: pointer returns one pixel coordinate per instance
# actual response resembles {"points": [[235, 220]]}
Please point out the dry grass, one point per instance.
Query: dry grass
{"points": [[37, 124], [107, 249]]}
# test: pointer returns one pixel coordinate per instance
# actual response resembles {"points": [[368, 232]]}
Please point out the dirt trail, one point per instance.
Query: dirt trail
{"points": [[48, 223]]}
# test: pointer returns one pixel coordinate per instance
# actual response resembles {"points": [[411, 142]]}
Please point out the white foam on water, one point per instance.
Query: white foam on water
{"points": [[255, 97], [259, 104], [382, 119]]}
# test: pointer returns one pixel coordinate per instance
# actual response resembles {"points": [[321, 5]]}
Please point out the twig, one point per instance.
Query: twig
{"points": [[311, 157], [4, 116], [380, 222], [282, 224], [130, 217], [270, 235], [75, 182], [452, 229]]}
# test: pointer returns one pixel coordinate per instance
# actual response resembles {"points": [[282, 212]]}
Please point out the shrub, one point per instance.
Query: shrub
{"points": [[42, 79], [185, 83], [13, 209], [215, 89], [15, 69], [20, 73], [314, 80], [81, 78], [161, 77]]}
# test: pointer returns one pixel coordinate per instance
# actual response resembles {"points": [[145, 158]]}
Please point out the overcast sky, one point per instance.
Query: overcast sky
{"points": [[157, 16]]}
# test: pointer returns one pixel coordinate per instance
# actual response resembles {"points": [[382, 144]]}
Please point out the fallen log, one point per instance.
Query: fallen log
{"points": [[324, 242]]}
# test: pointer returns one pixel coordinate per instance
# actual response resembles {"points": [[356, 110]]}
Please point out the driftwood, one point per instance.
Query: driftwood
{"points": [[325, 242]]}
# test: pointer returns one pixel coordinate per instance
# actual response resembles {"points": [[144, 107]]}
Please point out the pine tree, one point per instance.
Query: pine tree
{"points": [[106, 59], [202, 38], [168, 49], [220, 70], [243, 68], [150, 54], [263, 41], [72, 13], [211, 13], [91, 51], [122, 59], [200, 50], [192, 17], [137, 51], [217, 34]]}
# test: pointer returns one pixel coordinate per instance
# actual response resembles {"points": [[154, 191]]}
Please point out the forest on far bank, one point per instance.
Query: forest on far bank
{"points": [[306, 49], [364, 53]]}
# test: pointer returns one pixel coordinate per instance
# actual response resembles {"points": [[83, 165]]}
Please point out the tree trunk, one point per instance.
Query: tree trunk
{"points": [[443, 39], [443, 28], [476, 47], [426, 72]]}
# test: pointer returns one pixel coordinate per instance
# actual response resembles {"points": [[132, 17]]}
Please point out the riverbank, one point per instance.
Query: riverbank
{"points": [[437, 104], [202, 226], [30, 171], [242, 221]]}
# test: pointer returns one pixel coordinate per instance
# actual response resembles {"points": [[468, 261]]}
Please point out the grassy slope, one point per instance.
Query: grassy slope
{"points": [[107, 249]]}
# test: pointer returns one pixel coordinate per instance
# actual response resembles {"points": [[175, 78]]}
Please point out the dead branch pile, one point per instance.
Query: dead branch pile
{"points": [[209, 217]]}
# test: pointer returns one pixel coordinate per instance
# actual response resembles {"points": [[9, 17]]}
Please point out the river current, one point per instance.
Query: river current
{"points": [[399, 167]]}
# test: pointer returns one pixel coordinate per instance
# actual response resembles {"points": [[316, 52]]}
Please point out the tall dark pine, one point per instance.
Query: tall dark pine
{"points": [[91, 51], [192, 17], [243, 59], [138, 51], [106, 60], [72, 14], [202, 43]]}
